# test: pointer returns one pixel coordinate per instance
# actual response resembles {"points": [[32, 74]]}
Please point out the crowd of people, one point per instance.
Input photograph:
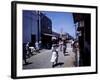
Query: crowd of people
{"points": [[63, 46], [28, 50]]}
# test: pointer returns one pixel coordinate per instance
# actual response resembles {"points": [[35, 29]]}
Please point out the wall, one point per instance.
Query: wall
{"points": [[5, 40], [30, 19]]}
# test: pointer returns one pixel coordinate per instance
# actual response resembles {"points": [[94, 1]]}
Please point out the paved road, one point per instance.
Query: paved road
{"points": [[42, 59]]}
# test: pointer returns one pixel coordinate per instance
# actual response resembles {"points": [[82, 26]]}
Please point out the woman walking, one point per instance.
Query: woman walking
{"points": [[54, 57]]}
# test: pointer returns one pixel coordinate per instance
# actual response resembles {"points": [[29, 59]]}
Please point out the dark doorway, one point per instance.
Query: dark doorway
{"points": [[33, 40], [46, 41]]}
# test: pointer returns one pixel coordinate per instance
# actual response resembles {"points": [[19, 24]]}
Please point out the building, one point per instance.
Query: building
{"points": [[46, 31], [30, 31], [35, 27], [83, 35]]}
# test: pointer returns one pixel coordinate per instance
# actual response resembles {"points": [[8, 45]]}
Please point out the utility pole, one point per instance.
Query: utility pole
{"points": [[39, 26]]}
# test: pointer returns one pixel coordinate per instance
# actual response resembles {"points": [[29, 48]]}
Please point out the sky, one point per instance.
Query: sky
{"points": [[61, 21]]}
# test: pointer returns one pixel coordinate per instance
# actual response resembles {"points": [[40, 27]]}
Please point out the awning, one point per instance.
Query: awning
{"points": [[48, 34]]}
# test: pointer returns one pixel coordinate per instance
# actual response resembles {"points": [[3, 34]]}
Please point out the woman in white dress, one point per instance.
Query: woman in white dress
{"points": [[54, 57]]}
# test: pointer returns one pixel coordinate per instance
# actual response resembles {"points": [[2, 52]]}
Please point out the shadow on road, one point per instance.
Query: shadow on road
{"points": [[66, 54], [27, 63], [59, 64]]}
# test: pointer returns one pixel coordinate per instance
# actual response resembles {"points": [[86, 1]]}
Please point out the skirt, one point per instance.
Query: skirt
{"points": [[53, 57]]}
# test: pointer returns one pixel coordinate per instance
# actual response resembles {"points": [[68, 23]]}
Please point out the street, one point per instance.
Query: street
{"points": [[42, 59]]}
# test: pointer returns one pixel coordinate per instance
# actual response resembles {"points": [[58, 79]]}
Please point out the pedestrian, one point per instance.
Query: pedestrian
{"points": [[77, 54], [64, 48], [72, 42], [37, 47], [25, 54], [72, 45], [54, 57], [40, 45], [60, 44], [27, 49]]}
